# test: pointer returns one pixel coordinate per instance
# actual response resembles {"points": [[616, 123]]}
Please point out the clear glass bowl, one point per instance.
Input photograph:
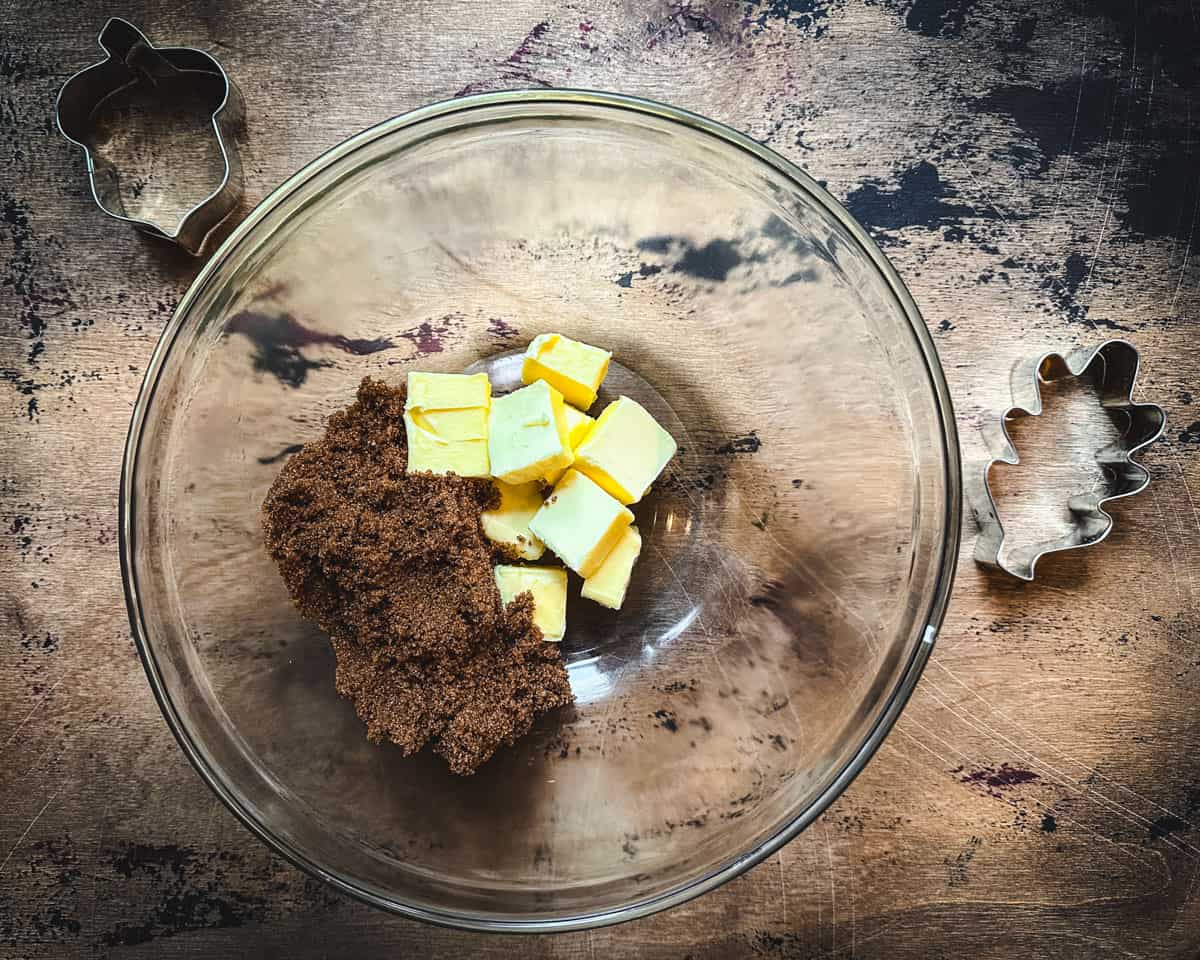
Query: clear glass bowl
{"points": [[798, 552]]}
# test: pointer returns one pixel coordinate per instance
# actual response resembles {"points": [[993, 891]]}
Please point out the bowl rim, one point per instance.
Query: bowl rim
{"points": [[898, 697]]}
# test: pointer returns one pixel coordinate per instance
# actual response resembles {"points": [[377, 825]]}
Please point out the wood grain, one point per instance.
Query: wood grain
{"points": [[1032, 171]]}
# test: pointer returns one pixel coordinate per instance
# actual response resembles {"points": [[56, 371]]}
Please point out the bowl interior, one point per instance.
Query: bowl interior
{"points": [[796, 551]]}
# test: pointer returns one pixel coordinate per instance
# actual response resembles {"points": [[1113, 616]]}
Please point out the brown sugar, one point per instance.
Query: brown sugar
{"points": [[396, 569]]}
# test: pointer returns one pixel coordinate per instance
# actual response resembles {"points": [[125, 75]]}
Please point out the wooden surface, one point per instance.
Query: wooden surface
{"points": [[1032, 170]]}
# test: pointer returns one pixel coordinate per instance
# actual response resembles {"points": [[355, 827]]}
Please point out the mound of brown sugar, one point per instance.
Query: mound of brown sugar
{"points": [[396, 569]]}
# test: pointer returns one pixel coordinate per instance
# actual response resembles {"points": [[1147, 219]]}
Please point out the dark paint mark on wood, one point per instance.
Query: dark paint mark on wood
{"points": [[1169, 29], [937, 18], [920, 199], [1023, 29], [502, 329], [1190, 433], [1166, 825], [152, 859], [1062, 291], [997, 779], [682, 18], [193, 891], [427, 338], [1162, 194], [808, 16], [516, 67], [37, 297], [525, 49], [958, 874], [1067, 116], [47, 643], [749, 443], [679, 686]]}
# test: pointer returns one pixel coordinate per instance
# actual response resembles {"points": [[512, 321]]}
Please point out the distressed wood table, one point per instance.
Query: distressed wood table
{"points": [[1032, 169]]}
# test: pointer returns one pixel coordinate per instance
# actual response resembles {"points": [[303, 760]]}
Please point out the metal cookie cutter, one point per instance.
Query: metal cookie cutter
{"points": [[1114, 364], [133, 60]]}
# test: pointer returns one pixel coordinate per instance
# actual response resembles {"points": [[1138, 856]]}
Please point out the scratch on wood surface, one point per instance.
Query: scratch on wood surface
{"points": [[29, 716], [30, 826], [1060, 779], [1043, 741], [1113, 193], [825, 829], [1061, 180], [1188, 490], [782, 888]]}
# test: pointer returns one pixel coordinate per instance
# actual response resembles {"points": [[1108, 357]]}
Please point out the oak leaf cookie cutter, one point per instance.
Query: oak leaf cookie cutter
{"points": [[132, 60], [1114, 367]]}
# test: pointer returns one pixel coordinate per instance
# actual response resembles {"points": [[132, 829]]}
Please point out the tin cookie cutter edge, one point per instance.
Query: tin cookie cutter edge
{"points": [[132, 59], [1118, 362]]}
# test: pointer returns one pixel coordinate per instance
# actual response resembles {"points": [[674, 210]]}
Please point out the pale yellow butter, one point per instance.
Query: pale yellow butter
{"points": [[625, 451], [607, 585], [549, 588], [509, 523], [527, 434], [574, 369], [470, 423], [448, 391], [580, 523], [446, 422], [578, 425]]}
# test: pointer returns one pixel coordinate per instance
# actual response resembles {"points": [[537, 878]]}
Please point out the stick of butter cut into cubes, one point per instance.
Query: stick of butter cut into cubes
{"points": [[446, 420], [580, 522], [608, 584], [578, 426], [542, 436], [625, 451], [549, 588], [574, 369], [509, 523], [527, 436]]}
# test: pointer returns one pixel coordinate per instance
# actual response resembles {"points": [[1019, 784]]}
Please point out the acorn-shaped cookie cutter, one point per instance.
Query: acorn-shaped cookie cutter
{"points": [[1114, 368], [133, 60]]}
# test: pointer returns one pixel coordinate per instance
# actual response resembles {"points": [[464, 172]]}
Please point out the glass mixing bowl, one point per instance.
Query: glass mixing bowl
{"points": [[798, 551]]}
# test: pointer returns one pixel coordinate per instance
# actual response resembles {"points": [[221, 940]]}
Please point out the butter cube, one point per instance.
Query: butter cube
{"points": [[509, 523], [580, 522], [578, 425], [527, 434], [446, 421], [448, 391], [549, 588], [625, 451], [608, 584], [574, 369]]}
